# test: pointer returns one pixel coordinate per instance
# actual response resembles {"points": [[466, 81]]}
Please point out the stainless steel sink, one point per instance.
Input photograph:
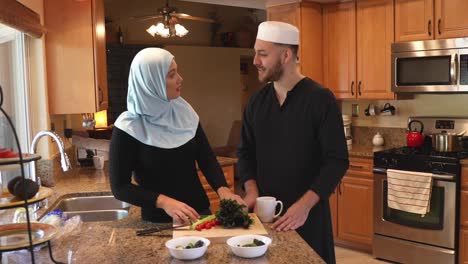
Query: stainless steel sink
{"points": [[94, 208]]}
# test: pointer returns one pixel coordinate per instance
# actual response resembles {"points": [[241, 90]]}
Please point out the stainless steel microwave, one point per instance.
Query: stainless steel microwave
{"points": [[430, 66]]}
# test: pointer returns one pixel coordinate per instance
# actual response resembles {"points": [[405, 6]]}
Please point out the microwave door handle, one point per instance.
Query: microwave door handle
{"points": [[454, 69]]}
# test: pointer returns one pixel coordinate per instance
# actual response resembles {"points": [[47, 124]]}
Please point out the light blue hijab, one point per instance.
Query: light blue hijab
{"points": [[152, 118]]}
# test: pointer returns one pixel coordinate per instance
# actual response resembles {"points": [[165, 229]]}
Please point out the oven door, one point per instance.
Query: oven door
{"points": [[425, 71], [436, 228]]}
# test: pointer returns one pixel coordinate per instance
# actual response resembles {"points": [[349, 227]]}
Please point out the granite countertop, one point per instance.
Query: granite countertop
{"points": [[365, 151], [116, 242]]}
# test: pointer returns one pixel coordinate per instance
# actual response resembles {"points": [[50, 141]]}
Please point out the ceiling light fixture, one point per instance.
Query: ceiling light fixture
{"points": [[169, 28]]}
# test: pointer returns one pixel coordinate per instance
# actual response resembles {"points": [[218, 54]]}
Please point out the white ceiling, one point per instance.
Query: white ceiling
{"points": [[258, 4]]}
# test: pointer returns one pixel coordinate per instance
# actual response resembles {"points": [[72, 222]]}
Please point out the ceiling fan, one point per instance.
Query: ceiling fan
{"points": [[170, 26]]}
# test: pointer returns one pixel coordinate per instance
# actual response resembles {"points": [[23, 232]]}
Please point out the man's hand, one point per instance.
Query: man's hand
{"points": [[297, 214], [179, 211], [226, 193], [251, 193]]}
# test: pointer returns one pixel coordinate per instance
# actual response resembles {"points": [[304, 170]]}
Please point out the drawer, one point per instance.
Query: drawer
{"points": [[464, 177], [464, 208], [360, 167]]}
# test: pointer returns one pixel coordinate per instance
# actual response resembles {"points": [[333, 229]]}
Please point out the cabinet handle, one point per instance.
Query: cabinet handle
{"points": [[100, 95], [356, 166], [352, 88], [429, 27], [359, 88], [438, 27]]}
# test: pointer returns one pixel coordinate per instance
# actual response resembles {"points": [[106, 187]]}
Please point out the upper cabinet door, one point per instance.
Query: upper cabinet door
{"points": [[374, 39], [339, 46], [289, 13], [75, 56], [414, 20], [452, 18]]}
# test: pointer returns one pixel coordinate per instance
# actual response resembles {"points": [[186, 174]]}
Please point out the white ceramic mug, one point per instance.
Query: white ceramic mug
{"points": [[98, 162], [266, 207]]}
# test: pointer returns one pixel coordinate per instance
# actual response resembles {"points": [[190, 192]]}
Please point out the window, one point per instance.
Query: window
{"points": [[14, 82]]}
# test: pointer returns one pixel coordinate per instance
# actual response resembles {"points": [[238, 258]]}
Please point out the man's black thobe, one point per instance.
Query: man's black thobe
{"points": [[296, 147]]}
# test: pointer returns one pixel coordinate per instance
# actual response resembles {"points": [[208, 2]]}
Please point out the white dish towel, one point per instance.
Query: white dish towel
{"points": [[409, 191]]}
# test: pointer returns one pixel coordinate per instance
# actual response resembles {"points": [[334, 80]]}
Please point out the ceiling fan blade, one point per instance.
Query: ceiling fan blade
{"points": [[146, 17], [189, 17]]}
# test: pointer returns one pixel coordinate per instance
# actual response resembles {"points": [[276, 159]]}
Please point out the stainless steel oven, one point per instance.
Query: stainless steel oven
{"points": [[405, 237], [430, 66], [410, 238]]}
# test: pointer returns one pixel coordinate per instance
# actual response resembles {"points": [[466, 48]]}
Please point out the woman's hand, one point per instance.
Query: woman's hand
{"points": [[226, 193], [179, 211]]}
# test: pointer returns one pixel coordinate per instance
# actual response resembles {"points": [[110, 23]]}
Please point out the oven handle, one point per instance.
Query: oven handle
{"points": [[449, 177], [454, 68], [443, 177]]}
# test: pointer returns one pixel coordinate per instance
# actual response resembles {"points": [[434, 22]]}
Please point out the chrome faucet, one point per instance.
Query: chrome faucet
{"points": [[65, 162]]}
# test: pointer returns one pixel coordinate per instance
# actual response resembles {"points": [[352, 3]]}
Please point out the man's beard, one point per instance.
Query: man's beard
{"points": [[274, 74]]}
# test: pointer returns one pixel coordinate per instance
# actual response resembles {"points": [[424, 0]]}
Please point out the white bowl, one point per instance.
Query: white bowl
{"points": [[235, 243], [186, 254]]}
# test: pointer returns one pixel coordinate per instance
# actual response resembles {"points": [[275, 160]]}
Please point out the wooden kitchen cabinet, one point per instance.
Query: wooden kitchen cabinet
{"points": [[430, 19], [352, 206], [463, 247], [228, 171], [75, 56], [357, 46], [307, 16]]}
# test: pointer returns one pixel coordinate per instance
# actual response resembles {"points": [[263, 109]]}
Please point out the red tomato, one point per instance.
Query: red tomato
{"points": [[213, 222], [198, 228], [208, 225]]}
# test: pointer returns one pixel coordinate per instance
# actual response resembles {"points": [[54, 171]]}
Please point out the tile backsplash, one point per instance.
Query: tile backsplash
{"points": [[393, 137], [49, 170]]}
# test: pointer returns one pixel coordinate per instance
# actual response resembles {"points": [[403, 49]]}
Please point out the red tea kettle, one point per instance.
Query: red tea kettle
{"points": [[415, 138]]}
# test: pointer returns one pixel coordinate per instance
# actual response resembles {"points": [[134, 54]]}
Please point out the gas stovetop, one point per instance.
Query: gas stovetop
{"points": [[423, 153], [420, 159]]}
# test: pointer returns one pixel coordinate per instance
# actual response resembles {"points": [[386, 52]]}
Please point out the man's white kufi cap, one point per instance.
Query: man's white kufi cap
{"points": [[278, 32]]}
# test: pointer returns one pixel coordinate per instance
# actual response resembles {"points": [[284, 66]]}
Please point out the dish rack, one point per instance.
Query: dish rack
{"points": [[8, 202]]}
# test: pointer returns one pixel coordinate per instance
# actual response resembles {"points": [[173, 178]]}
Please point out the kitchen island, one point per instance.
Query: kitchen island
{"points": [[116, 242]]}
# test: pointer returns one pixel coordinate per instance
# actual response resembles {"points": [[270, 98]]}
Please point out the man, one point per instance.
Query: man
{"points": [[292, 140]]}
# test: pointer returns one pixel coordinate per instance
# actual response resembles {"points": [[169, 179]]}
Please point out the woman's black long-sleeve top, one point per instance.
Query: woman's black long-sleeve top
{"points": [[171, 172]]}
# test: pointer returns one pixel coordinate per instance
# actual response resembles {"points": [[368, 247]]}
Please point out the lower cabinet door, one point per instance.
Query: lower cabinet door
{"points": [[355, 210], [463, 251]]}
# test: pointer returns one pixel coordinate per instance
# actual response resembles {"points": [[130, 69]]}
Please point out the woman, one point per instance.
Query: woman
{"points": [[159, 139]]}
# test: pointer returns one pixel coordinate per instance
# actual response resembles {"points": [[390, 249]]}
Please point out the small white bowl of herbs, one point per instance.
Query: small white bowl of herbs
{"points": [[249, 246], [188, 247]]}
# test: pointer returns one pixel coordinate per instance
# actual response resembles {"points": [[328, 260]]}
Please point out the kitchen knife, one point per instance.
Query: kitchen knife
{"points": [[156, 229]]}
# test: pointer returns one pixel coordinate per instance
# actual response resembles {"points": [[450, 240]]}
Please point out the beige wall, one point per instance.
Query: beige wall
{"points": [[422, 104], [200, 33], [212, 86]]}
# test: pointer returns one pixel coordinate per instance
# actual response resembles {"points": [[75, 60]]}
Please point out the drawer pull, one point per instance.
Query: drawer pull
{"points": [[356, 166]]}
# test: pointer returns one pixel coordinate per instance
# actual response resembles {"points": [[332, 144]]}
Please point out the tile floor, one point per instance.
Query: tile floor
{"points": [[347, 256]]}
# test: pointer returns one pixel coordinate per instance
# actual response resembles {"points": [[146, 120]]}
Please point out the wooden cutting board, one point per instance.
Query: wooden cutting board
{"points": [[218, 234]]}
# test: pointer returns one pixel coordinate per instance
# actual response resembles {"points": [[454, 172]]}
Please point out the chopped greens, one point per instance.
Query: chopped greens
{"points": [[190, 245], [255, 243]]}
